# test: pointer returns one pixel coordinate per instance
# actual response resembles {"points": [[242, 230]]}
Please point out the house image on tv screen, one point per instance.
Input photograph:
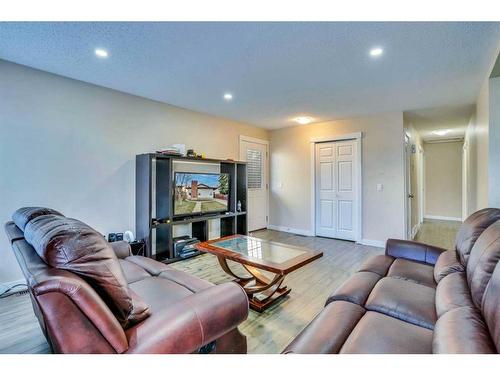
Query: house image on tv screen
{"points": [[199, 193]]}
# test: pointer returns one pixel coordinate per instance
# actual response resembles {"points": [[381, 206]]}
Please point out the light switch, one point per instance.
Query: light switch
{"points": [[279, 185], [380, 187]]}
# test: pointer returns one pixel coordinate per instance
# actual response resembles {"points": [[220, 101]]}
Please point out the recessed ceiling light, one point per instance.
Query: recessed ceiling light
{"points": [[376, 52], [303, 120], [101, 52], [441, 132], [228, 96]]}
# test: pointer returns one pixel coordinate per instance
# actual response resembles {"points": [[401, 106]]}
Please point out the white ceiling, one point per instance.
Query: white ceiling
{"points": [[452, 118], [274, 70]]}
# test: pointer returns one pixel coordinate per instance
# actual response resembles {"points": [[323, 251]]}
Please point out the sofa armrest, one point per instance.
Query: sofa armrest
{"points": [[76, 318], [192, 322], [412, 250]]}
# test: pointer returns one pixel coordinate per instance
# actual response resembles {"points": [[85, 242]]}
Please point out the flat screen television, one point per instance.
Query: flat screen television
{"points": [[200, 193]]}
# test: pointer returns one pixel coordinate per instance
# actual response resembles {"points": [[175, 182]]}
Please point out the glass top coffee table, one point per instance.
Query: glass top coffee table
{"points": [[257, 255]]}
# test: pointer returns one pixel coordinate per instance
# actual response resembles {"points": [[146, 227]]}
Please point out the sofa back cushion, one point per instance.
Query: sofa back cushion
{"points": [[462, 331], [491, 307], [71, 245], [25, 214], [471, 229], [482, 261]]}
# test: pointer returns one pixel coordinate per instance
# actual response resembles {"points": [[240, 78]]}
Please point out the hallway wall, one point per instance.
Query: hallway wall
{"points": [[494, 149], [482, 146], [443, 180]]}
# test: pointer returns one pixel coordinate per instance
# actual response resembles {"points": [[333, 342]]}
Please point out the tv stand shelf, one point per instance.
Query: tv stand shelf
{"points": [[156, 224], [200, 218]]}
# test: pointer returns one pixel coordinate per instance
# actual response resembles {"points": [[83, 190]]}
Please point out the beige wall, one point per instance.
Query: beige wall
{"points": [[494, 143], [482, 139], [470, 146], [482, 144], [382, 158], [443, 179], [71, 146]]}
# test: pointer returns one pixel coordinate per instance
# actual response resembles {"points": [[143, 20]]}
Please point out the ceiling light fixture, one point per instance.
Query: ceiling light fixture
{"points": [[303, 120], [228, 96], [374, 52], [102, 53], [441, 132]]}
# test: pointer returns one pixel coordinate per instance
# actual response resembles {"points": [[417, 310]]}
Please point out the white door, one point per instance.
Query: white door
{"points": [[255, 154], [336, 189]]}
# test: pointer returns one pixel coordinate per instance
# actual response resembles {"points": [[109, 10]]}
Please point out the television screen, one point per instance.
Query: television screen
{"points": [[200, 193]]}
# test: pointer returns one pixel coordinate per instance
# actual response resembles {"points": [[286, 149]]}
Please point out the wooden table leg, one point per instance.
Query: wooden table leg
{"points": [[261, 290], [225, 267]]}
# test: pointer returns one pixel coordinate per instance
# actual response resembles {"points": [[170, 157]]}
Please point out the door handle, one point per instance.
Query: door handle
{"points": [[411, 196]]}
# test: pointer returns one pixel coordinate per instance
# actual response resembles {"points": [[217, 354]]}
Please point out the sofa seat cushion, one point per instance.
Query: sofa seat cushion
{"points": [[452, 292], [170, 286], [132, 272], [186, 280], [385, 265], [447, 263], [329, 330], [415, 272], [462, 331], [378, 333], [356, 289], [159, 293], [378, 264], [404, 300]]}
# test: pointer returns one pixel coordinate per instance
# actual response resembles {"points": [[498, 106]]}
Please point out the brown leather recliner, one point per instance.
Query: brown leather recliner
{"points": [[93, 297], [417, 299]]}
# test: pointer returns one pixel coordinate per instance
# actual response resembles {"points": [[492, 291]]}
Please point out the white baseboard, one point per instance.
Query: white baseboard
{"points": [[447, 218], [301, 232], [10, 284], [375, 243]]}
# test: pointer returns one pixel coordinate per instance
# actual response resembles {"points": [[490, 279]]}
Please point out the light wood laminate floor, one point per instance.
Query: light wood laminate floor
{"points": [[267, 332]]}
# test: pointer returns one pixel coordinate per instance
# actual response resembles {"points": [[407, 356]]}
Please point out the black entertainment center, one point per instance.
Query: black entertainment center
{"points": [[164, 204]]}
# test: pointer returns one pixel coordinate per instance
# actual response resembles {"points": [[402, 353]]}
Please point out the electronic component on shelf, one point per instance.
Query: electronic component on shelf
{"points": [[184, 246]]}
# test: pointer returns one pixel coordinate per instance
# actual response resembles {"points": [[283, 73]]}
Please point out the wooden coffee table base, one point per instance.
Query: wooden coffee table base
{"points": [[262, 291]]}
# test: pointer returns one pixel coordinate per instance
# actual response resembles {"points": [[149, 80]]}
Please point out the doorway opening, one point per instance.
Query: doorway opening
{"points": [[436, 161]]}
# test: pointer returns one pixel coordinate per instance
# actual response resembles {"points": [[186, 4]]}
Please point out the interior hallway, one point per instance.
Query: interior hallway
{"points": [[438, 233]]}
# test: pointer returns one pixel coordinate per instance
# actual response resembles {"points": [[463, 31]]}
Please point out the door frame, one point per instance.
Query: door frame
{"points": [[265, 142], [465, 180], [407, 176], [333, 138], [421, 191]]}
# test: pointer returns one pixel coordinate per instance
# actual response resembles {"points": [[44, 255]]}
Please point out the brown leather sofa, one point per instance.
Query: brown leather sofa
{"points": [[94, 297], [417, 299]]}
